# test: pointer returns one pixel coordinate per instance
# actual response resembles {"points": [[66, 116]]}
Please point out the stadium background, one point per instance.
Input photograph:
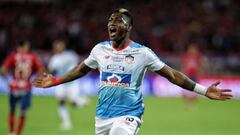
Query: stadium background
{"points": [[166, 26]]}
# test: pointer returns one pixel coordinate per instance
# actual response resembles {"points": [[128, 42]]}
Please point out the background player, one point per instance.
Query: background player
{"points": [[122, 64], [192, 64], [61, 62], [21, 64]]}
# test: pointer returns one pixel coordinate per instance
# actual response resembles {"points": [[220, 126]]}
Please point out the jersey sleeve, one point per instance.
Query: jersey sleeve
{"points": [[91, 61], [9, 61], [152, 61]]}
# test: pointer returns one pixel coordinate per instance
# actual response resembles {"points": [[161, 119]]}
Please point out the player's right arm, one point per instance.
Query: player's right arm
{"points": [[4, 72], [7, 64], [47, 80]]}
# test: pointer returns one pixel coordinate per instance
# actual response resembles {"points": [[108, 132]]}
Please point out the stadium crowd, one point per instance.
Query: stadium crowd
{"points": [[166, 26]]}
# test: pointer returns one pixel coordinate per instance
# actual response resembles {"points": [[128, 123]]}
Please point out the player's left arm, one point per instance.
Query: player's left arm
{"points": [[180, 79]]}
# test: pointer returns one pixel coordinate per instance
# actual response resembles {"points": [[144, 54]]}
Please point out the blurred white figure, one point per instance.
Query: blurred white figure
{"points": [[60, 63]]}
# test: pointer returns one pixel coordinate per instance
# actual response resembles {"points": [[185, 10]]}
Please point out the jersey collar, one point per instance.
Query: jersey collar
{"points": [[125, 46]]}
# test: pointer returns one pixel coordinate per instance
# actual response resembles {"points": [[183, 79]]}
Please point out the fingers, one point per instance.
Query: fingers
{"points": [[226, 90], [37, 84], [225, 94], [40, 80], [37, 80], [225, 97], [49, 76], [216, 83], [219, 94], [45, 74]]}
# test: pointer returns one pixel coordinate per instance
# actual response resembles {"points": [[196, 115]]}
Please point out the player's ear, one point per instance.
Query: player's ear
{"points": [[129, 28]]}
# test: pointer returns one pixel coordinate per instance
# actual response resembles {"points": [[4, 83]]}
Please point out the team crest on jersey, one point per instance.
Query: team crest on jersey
{"points": [[117, 58], [113, 79], [129, 59]]}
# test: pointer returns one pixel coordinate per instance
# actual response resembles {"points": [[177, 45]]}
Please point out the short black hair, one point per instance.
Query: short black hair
{"points": [[124, 12], [21, 42]]}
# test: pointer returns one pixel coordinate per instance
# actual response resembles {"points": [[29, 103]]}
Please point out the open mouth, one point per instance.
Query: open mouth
{"points": [[113, 31]]}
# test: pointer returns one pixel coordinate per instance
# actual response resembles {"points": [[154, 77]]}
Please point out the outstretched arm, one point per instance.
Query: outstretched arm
{"points": [[4, 72], [47, 80], [77, 72], [183, 81]]}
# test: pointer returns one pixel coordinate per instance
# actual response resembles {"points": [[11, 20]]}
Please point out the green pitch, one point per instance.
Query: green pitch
{"points": [[163, 116]]}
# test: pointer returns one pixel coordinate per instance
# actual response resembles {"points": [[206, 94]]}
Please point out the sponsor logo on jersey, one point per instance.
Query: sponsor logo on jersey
{"points": [[114, 58], [117, 58], [115, 67], [131, 51], [113, 79], [129, 59]]}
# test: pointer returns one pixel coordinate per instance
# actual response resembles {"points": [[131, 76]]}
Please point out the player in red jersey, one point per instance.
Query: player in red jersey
{"points": [[192, 61], [22, 65]]}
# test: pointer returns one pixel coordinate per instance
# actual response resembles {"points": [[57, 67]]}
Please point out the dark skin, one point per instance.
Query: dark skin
{"points": [[119, 29]]}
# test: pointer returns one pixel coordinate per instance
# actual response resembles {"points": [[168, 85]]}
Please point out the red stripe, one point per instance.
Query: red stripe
{"points": [[56, 81]]}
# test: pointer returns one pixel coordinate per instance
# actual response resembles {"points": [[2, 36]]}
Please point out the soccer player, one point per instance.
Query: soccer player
{"points": [[122, 64], [21, 64], [192, 61], [61, 62]]}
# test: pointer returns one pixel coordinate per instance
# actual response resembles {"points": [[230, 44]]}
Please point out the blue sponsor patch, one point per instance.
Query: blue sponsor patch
{"points": [[121, 80]]}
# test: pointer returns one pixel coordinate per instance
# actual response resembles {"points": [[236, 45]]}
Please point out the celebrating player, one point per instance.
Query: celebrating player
{"points": [[122, 64], [22, 65], [61, 62]]}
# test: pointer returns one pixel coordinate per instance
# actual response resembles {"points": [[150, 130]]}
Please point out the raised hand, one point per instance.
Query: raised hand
{"points": [[218, 94], [45, 80]]}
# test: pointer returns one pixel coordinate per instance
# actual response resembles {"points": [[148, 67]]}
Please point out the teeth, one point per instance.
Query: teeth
{"points": [[112, 31]]}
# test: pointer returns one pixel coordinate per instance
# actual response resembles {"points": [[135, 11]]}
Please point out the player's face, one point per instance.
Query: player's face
{"points": [[25, 48], [118, 26], [58, 47]]}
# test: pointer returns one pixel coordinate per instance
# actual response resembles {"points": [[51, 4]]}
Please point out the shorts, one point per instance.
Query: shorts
{"points": [[23, 97], [130, 125], [68, 91]]}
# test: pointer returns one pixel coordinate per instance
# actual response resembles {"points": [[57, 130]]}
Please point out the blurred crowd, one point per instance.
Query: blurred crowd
{"points": [[166, 26]]}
